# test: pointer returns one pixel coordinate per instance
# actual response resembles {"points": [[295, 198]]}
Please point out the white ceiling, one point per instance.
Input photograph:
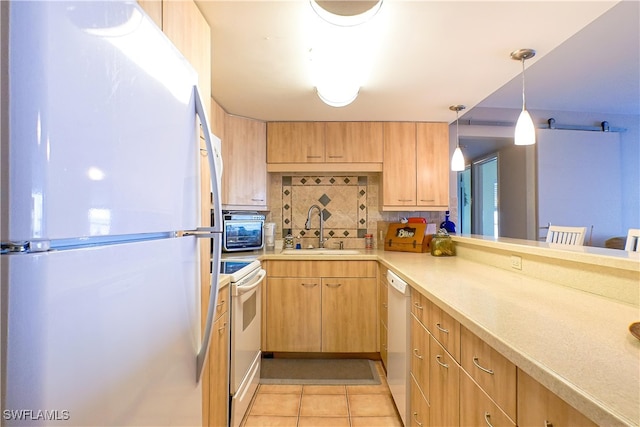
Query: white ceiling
{"points": [[430, 55]]}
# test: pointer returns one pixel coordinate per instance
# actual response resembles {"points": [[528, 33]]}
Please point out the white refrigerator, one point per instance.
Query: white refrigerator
{"points": [[100, 220]]}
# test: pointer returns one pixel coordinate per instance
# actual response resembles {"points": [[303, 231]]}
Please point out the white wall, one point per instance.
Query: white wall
{"points": [[579, 182]]}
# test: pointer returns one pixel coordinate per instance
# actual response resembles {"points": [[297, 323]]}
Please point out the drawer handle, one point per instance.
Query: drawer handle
{"points": [[334, 285], [427, 200], [314, 157], [487, 419], [220, 304], [309, 285], [224, 325], [416, 354], [336, 157], [547, 424], [405, 200], [415, 417], [418, 306], [446, 331], [444, 365], [475, 362]]}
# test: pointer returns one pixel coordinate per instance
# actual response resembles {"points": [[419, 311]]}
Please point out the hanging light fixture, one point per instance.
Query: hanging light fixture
{"points": [[346, 13], [457, 160], [525, 130]]}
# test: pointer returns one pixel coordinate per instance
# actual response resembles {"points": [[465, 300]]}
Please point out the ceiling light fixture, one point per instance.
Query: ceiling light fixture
{"points": [[346, 13], [336, 96], [457, 160], [525, 130]]}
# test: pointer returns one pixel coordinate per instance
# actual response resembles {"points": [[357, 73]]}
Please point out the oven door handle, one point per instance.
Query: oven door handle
{"points": [[241, 290]]}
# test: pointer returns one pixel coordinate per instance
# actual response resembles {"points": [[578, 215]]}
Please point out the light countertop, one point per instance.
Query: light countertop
{"points": [[576, 343]]}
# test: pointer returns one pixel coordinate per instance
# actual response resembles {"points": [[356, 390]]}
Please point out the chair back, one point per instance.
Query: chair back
{"points": [[566, 235], [633, 244]]}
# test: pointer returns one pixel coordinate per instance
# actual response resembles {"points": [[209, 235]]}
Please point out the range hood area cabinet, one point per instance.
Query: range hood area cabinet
{"points": [[244, 177], [415, 172], [324, 146]]}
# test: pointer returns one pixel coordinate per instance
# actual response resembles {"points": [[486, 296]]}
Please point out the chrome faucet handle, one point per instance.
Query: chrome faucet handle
{"points": [[340, 244]]}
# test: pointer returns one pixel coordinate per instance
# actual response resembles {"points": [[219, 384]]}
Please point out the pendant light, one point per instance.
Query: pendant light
{"points": [[457, 160], [525, 130]]}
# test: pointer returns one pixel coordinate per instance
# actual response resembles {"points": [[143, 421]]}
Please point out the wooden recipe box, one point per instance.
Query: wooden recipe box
{"points": [[407, 237]]}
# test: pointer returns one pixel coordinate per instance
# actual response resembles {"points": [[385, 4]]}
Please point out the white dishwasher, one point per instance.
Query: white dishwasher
{"points": [[398, 343]]}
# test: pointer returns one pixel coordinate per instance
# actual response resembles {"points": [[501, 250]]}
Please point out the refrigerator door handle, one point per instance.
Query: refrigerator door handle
{"points": [[215, 186], [215, 231], [202, 232]]}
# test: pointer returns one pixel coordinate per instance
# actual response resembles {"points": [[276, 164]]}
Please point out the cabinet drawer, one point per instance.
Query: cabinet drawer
{"points": [[444, 387], [420, 307], [420, 355], [222, 305], [477, 409], [445, 329], [419, 407], [492, 371], [333, 268]]}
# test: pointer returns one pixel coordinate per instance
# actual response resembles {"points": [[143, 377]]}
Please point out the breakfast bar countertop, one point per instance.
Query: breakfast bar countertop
{"points": [[576, 343]]}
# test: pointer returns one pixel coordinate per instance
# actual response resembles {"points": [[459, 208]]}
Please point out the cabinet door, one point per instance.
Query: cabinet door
{"points": [[295, 142], [353, 142], [538, 406], [349, 321], [444, 387], [432, 154], [477, 409], [419, 411], [293, 314], [244, 180], [492, 371], [399, 167], [219, 374], [420, 356]]}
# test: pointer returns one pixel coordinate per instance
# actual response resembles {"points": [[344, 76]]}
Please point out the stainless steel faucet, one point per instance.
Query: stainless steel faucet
{"points": [[307, 225]]}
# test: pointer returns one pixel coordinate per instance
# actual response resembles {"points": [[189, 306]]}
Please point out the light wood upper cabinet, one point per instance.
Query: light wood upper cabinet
{"points": [[415, 174], [432, 156], [354, 142], [153, 9], [244, 178], [399, 167], [295, 142]]}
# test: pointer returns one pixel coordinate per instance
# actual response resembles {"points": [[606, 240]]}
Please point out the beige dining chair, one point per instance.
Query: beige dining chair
{"points": [[566, 235], [633, 240]]}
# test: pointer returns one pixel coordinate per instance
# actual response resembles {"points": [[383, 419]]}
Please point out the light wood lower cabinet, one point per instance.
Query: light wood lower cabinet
{"points": [[419, 354], [419, 411], [444, 387], [538, 406], [477, 409], [218, 362], [490, 370], [294, 315], [321, 306], [383, 313]]}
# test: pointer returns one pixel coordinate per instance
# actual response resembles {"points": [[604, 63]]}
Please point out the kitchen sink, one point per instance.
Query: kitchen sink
{"points": [[319, 251]]}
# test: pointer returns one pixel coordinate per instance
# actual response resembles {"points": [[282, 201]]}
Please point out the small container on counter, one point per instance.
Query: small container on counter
{"points": [[442, 244], [368, 241]]}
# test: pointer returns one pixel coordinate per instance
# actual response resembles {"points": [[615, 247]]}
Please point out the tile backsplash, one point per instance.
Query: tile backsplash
{"points": [[349, 204]]}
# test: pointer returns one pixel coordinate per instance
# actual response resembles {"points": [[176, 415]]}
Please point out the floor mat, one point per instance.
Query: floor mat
{"points": [[319, 371]]}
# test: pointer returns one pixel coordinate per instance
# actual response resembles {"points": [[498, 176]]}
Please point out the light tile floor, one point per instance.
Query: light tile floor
{"points": [[323, 406]]}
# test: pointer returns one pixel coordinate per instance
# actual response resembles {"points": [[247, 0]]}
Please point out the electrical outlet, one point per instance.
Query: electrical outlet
{"points": [[516, 262]]}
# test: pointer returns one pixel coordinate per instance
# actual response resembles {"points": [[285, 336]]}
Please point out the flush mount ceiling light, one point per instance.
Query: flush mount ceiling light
{"points": [[525, 130], [336, 96], [457, 160], [346, 13]]}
